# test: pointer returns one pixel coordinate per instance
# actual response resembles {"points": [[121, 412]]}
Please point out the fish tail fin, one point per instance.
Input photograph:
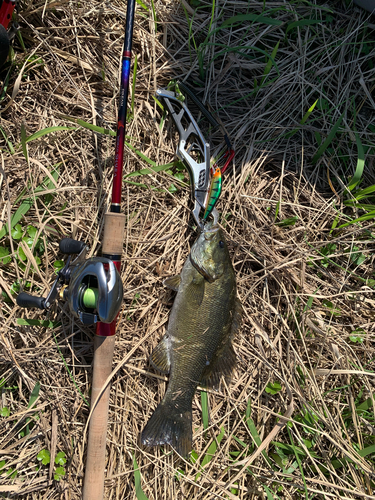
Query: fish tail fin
{"points": [[167, 425]]}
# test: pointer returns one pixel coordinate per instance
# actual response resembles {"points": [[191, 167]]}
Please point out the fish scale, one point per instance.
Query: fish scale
{"points": [[197, 347]]}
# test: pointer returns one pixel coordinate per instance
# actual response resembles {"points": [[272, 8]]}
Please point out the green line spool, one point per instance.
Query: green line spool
{"points": [[90, 298]]}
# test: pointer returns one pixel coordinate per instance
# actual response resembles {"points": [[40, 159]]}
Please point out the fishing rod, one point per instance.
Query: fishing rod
{"points": [[93, 290]]}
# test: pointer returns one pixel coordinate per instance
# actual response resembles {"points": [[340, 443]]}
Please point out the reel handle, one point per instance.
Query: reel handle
{"points": [[30, 301], [70, 246]]}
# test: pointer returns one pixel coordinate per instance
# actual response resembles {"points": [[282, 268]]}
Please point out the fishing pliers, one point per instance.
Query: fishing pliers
{"points": [[194, 151]]}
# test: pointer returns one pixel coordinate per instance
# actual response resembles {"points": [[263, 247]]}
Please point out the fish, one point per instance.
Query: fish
{"points": [[197, 347]]}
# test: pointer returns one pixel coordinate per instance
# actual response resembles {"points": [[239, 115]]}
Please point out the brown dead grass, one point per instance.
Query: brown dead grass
{"points": [[283, 338]]}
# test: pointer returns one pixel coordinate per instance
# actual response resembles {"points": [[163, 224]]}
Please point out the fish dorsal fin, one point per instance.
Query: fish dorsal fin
{"points": [[160, 356], [224, 360], [173, 282]]}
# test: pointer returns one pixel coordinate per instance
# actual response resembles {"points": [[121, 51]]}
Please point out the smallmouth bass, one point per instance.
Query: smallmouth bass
{"points": [[197, 347]]}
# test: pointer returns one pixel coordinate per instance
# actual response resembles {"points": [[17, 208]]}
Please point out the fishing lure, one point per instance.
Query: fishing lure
{"points": [[214, 192]]}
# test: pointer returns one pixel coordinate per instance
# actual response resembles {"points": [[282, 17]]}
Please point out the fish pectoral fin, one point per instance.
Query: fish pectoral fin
{"points": [[160, 356], [221, 365], [173, 282]]}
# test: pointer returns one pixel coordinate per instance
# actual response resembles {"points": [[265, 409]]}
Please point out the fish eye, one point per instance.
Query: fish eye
{"points": [[221, 244]]}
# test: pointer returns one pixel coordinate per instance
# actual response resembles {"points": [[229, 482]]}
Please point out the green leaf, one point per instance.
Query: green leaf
{"points": [[180, 176], [251, 17], [137, 480], [287, 222], [328, 140], [11, 473], [303, 22], [172, 189], [32, 231], [356, 256], [29, 241], [60, 458], [17, 232], [4, 256], [21, 255], [44, 456], [59, 473], [358, 335], [2, 463], [4, 412], [45, 323], [58, 265], [273, 388]]}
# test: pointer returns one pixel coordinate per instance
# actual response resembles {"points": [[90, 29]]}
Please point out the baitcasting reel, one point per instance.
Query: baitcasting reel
{"points": [[92, 287]]}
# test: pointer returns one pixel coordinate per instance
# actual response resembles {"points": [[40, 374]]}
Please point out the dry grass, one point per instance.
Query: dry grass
{"points": [[300, 307]]}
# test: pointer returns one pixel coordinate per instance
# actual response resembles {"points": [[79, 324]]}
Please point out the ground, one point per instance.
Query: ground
{"points": [[293, 84]]}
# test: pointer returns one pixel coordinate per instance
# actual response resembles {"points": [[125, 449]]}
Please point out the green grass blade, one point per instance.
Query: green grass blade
{"points": [[364, 193], [46, 131], [90, 126], [328, 140], [204, 402], [23, 141], [366, 451], [141, 4], [299, 463], [211, 450], [95, 128], [34, 395], [256, 437], [369, 216], [360, 164], [303, 22], [251, 17], [38, 322], [8, 143], [308, 112], [268, 493], [154, 16], [137, 480], [269, 62]]}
